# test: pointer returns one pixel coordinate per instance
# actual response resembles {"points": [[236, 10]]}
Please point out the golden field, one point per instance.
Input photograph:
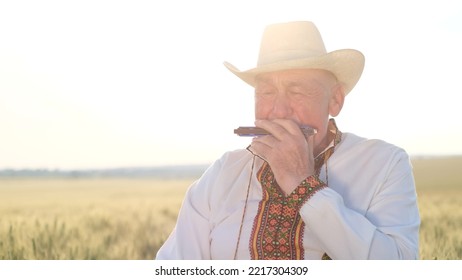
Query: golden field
{"points": [[130, 218]]}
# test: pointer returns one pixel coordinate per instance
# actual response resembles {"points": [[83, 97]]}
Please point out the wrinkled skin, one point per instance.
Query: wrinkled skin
{"points": [[284, 101]]}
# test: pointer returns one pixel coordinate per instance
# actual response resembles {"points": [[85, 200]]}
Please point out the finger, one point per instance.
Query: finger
{"points": [[260, 148], [273, 128], [289, 125], [268, 140]]}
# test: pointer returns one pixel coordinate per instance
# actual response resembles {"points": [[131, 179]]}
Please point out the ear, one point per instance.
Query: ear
{"points": [[336, 100]]}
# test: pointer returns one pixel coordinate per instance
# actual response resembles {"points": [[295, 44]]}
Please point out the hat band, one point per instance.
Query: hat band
{"points": [[287, 55]]}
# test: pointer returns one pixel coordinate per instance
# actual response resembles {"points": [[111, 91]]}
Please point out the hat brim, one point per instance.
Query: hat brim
{"points": [[347, 65]]}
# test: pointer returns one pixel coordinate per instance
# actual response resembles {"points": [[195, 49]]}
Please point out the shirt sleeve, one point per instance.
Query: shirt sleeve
{"points": [[186, 241], [388, 230], [190, 239]]}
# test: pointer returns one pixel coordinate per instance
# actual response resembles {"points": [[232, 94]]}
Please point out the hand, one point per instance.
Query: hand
{"points": [[287, 151]]}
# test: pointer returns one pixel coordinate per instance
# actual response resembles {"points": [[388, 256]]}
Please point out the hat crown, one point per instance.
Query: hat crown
{"points": [[290, 41], [298, 45]]}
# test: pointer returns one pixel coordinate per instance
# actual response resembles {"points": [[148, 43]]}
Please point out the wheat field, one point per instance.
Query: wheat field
{"points": [[128, 219], [86, 218]]}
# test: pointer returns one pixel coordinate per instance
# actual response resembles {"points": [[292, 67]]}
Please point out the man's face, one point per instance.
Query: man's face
{"points": [[306, 96]]}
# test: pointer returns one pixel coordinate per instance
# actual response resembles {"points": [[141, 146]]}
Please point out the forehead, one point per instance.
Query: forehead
{"points": [[296, 77]]}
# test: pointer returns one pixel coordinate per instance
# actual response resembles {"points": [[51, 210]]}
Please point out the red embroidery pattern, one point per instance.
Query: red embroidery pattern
{"points": [[278, 228]]}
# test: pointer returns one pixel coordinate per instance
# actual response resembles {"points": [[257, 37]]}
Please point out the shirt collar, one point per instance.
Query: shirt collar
{"points": [[334, 134]]}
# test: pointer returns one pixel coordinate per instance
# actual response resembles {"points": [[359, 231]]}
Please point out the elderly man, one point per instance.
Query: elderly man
{"points": [[330, 195]]}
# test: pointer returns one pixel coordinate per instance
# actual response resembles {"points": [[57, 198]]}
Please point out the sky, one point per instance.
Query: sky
{"points": [[104, 84]]}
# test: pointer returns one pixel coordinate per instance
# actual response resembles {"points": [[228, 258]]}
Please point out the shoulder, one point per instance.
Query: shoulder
{"points": [[363, 167], [354, 144], [224, 170], [372, 153], [231, 162]]}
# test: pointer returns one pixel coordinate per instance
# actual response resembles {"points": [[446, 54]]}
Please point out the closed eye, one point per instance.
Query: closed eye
{"points": [[296, 94], [264, 92]]}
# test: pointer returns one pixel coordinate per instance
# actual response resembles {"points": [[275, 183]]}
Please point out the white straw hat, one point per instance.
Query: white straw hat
{"points": [[299, 45]]}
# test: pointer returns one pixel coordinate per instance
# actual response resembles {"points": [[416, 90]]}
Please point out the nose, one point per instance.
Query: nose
{"points": [[281, 108]]}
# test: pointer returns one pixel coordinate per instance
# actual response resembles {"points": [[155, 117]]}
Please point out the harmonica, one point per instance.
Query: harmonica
{"points": [[256, 131]]}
